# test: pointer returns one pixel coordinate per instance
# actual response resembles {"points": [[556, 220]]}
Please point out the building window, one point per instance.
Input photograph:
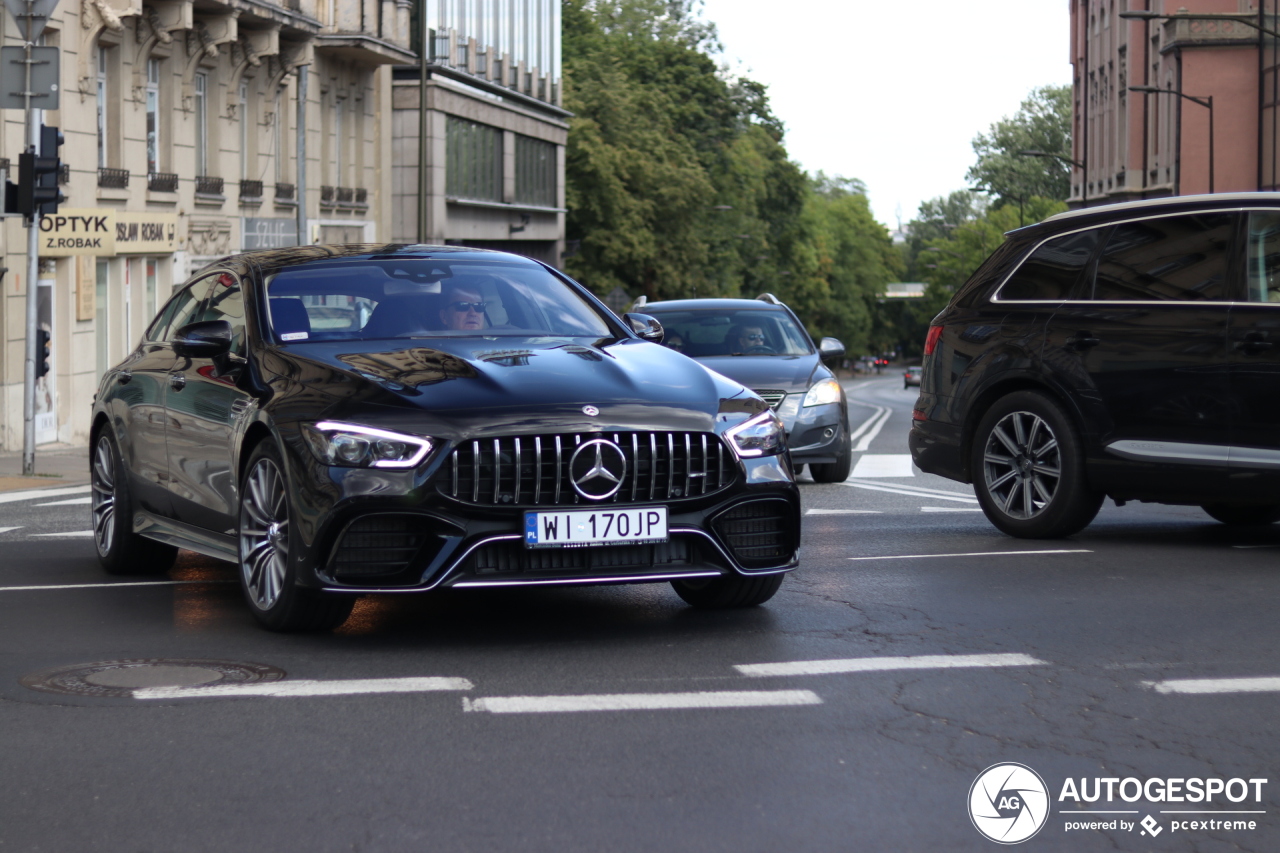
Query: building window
{"points": [[150, 270], [103, 154], [535, 172], [153, 116], [474, 161], [202, 124]]}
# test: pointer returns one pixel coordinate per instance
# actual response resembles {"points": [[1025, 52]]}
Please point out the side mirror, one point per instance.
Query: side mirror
{"points": [[830, 348], [645, 326], [206, 339]]}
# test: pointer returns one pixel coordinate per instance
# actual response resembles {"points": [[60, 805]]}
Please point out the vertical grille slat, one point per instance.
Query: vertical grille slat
{"points": [[662, 466]]}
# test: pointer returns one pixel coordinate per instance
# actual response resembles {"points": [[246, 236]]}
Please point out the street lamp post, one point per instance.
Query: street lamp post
{"points": [[1140, 15], [1206, 101]]}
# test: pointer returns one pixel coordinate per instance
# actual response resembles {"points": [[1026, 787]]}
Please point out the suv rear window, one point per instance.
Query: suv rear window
{"points": [[1052, 270], [1176, 258]]}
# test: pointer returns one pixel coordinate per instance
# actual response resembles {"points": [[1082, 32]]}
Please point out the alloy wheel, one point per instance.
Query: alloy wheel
{"points": [[264, 533], [1022, 464], [104, 495]]}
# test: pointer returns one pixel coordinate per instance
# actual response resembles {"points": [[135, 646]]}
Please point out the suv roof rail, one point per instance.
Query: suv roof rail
{"points": [[770, 298], [639, 303]]}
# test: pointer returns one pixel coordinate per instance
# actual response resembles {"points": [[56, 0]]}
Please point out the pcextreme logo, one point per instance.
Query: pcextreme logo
{"points": [[1008, 803]]}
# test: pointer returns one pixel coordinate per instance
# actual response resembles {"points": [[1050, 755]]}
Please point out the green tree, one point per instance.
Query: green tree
{"points": [[1043, 123]]}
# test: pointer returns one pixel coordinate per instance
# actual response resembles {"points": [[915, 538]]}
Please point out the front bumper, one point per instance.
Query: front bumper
{"points": [[393, 531], [816, 434]]}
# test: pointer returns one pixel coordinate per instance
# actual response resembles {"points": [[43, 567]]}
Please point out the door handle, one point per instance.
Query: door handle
{"points": [[124, 376], [1082, 341], [177, 381], [1254, 343]]}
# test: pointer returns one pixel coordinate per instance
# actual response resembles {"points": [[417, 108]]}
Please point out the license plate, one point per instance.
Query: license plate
{"points": [[584, 528]]}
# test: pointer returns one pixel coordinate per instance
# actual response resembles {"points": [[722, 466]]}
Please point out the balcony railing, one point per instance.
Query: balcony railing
{"points": [[113, 179], [286, 192], [346, 195], [326, 195], [362, 197], [208, 185], [162, 182], [251, 190]]}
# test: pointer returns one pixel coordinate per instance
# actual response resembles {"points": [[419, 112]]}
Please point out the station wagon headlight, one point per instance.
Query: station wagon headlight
{"points": [[826, 391], [761, 435], [353, 446]]}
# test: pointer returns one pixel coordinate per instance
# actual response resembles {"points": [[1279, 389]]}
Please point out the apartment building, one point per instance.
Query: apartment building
{"points": [[181, 122]]}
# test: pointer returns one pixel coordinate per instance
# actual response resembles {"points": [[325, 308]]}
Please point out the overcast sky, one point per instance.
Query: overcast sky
{"points": [[894, 92]]}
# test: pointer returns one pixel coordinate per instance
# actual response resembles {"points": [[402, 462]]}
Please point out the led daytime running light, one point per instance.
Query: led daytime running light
{"points": [[735, 432], [330, 431]]}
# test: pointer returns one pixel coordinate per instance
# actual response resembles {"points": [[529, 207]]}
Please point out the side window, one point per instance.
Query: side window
{"points": [[1264, 256], [177, 313], [226, 302], [1051, 272], [1176, 258]]}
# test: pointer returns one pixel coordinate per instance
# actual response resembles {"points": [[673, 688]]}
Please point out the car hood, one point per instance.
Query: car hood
{"points": [[790, 373], [469, 387]]}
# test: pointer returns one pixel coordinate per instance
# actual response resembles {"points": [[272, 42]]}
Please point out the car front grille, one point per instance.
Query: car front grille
{"points": [[760, 533], [773, 398], [533, 470]]}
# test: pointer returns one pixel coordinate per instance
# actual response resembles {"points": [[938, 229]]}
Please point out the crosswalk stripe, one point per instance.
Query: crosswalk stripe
{"points": [[885, 664], [641, 701], [1265, 684], [302, 687]]}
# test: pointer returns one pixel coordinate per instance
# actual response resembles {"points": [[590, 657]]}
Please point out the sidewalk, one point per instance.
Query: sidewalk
{"points": [[56, 465]]}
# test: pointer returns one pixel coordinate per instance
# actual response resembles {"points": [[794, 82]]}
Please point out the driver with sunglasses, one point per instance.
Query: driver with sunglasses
{"points": [[463, 310], [744, 339]]}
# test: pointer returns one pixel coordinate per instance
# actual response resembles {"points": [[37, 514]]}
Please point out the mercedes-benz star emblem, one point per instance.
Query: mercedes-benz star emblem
{"points": [[590, 411], [596, 469]]}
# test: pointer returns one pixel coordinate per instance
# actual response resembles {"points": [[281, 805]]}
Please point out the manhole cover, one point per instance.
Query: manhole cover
{"points": [[119, 678]]}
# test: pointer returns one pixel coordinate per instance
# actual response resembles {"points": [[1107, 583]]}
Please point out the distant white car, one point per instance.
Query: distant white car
{"points": [[912, 376]]}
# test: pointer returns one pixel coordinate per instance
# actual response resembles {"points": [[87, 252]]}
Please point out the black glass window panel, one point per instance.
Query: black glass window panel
{"points": [[1051, 272], [1174, 258]]}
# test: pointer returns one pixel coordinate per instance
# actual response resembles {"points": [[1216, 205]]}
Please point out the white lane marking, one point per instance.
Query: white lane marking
{"points": [[7, 529], [865, 441], [884, 465], [865, 425], [641, 701], [923, 490], [1266, 684], [72, 502], [827, 667], [104, 585], [286, 689], [821, 512], [909, 490], [951, 509], [31, 494], [972, 554], [66, 533]]}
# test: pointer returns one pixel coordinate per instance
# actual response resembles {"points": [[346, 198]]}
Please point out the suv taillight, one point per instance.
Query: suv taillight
{"points": [[931, 341]]}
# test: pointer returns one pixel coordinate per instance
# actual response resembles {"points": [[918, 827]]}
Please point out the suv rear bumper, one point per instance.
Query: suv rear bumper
{"points": [[936, 449]]}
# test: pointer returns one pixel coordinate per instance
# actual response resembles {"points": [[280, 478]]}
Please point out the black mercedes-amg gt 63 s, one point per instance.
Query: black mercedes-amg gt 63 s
{"points": [[361, 419]]}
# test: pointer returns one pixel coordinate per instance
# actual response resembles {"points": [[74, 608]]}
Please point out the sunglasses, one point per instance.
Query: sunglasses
{"points": [[753, 337], [460, 307]]}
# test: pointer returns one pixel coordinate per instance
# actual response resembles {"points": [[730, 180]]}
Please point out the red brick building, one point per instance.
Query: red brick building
{"points": [[1133, 144]]}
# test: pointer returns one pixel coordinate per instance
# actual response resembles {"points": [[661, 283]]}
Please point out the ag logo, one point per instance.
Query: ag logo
{"points": [[1008, 803]]}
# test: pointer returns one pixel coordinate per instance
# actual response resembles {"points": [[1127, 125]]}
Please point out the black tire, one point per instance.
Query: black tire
{"points": [[120, 550], [1237, 515], [728, 591], [838, 471], [1027, 464], [267, 575]]}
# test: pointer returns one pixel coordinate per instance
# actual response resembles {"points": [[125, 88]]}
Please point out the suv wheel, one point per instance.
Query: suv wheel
{"points": [[1028, 469]]}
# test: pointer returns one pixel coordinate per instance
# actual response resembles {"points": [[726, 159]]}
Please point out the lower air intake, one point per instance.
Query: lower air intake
{"points": [[379, 545], [760, 534]]}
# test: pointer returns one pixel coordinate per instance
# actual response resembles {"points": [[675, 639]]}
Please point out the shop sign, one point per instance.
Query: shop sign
{"points": [[146, 233], [82, 231], [268, 233]]}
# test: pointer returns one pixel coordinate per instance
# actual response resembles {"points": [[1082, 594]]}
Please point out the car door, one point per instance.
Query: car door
{"points": [[1254, 356], [204, 405], [1144, 352]]}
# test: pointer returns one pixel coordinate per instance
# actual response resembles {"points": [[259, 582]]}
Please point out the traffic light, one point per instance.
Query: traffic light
{"points": [[42, 352], [38, 193]]}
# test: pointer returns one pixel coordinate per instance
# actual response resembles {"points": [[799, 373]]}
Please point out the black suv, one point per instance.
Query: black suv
{"points": [[1129, 351], [763, 345]]}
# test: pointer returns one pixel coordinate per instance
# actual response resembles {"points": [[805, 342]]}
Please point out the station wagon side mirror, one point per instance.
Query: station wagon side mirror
{"points": [[645, 326], [206, 339], [830, 348]]}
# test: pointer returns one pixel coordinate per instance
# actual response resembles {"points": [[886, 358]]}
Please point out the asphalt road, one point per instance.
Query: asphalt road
{"points": [[617, 719]]}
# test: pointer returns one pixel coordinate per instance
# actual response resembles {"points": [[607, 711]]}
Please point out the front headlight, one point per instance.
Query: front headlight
{"points": [[826, 391], [761, 435], [353, 446]]}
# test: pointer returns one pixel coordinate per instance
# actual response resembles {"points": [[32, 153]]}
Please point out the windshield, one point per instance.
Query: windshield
{"points": [[364, 299], [711, 332]]}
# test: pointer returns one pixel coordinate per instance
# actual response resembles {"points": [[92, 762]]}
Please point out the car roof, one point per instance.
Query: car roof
{"points": [[1084, 216], [714, 305], [271, 260]]}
